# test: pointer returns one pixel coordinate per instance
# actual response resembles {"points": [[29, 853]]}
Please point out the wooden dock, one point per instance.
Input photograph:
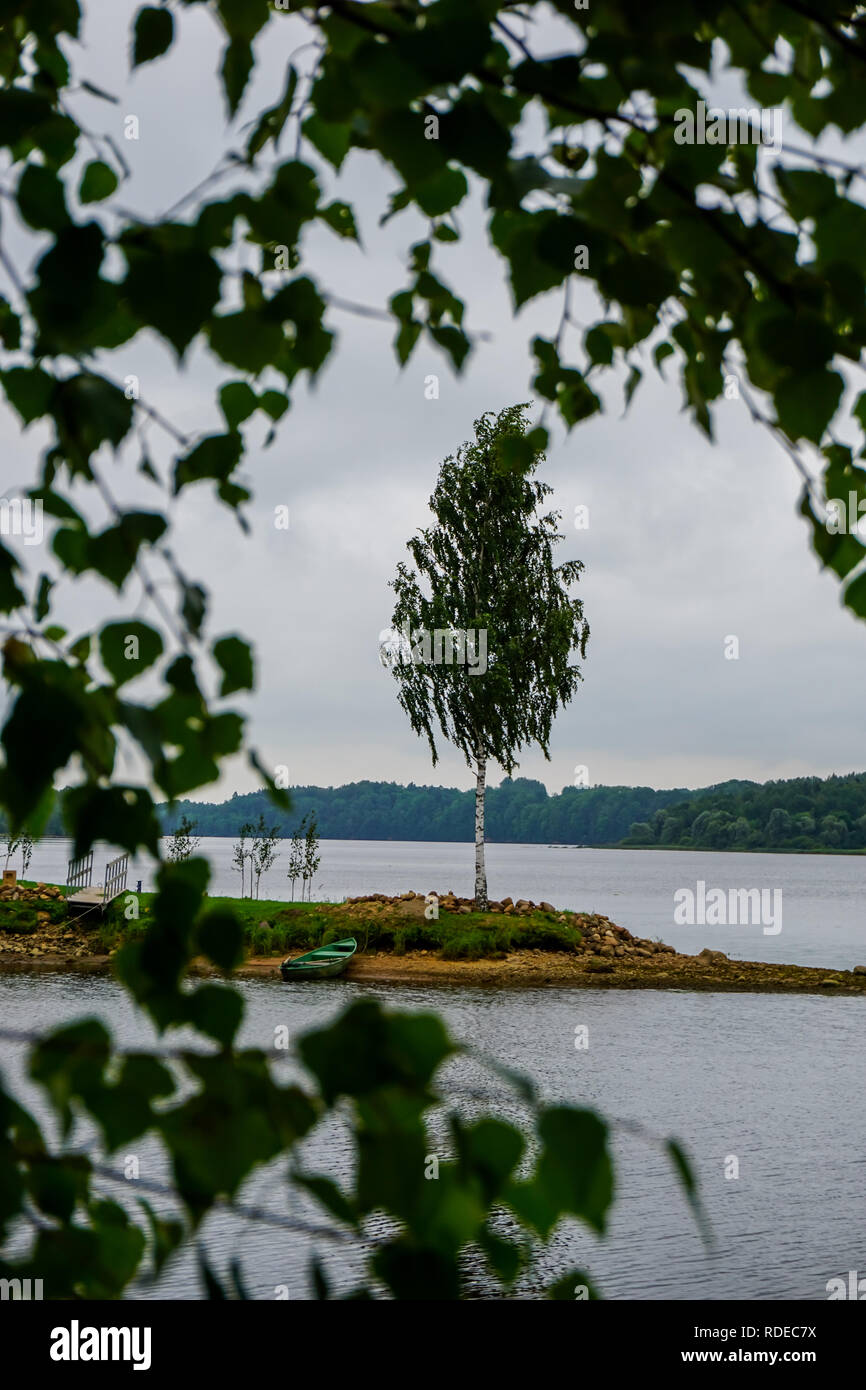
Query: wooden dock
{"points": [[79, 874], [89, 897]]}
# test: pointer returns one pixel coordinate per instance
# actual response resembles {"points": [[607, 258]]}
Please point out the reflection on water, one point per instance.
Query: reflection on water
{"points": [[776, 1081]]}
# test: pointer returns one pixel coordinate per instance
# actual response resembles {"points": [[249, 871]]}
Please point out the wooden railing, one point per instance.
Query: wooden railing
{"points": [[79, 872], [115, 877]]}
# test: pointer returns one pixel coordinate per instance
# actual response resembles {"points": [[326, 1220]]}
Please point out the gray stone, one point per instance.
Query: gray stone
{"points": [[713, 957]]}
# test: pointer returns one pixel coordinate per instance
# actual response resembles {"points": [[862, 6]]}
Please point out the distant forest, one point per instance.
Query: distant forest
{"points": [[805, 813]]}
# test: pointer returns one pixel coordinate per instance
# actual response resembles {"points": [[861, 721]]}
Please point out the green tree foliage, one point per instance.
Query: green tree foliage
{"points": [[641, 833], [311, 856], [263, 854], [805, 813], [485, 572], [10, 847], [183, 842], [297, 856], [778, 825], [26, 854], [520, 811], [240, 854]]}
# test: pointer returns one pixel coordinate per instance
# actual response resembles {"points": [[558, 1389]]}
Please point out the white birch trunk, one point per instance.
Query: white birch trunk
{"points": [[480, 867]]}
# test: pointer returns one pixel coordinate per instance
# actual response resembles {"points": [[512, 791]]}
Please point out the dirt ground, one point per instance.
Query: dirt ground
{"points": [[530, 968]]}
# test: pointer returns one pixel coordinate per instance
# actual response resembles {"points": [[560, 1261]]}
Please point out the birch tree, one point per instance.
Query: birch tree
{"points": [[183, 843], [296, 858], [263, 854], [26, 847], [485, 630], [312, 858], [240, 855], [11, 844]]}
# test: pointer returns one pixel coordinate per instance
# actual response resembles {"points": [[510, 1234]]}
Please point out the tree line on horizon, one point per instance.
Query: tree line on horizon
{"points": [[803, 813]]}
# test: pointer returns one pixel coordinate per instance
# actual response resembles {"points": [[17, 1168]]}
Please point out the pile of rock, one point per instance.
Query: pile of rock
{"points": [[42, 893], [604, 938], [53, 945], [451, 902], [600, 936], [36, 932]]}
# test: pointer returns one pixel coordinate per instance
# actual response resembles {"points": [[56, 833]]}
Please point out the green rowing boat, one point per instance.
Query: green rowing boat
{"points": [[321, 964]]}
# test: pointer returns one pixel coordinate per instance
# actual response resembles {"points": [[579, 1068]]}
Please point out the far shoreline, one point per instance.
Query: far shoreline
{"points": [[538, 844]]}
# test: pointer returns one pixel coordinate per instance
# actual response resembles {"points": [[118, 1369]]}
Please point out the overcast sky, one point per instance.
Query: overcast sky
{"points": [[688, 543]]}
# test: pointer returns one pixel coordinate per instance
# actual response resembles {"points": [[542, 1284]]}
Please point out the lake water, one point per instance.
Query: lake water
{"points": [[775, 1082]]}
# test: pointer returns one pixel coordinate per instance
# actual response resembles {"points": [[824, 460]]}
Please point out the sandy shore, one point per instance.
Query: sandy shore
{"points": [[523, 969]]}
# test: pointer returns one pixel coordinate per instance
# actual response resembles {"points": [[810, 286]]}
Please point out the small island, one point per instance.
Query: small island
{"points": [[513, 944]]}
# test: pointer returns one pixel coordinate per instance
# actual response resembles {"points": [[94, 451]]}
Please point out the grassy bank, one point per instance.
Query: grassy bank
{"points": [[36, 919], [278, 929]]}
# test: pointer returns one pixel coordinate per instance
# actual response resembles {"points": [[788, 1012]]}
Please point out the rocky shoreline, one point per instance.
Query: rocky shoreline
{"points": [[543, 969]]}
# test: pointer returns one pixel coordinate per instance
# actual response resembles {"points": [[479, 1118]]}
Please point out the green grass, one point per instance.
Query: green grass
{"points": [[279, 929], [20, 918]]}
